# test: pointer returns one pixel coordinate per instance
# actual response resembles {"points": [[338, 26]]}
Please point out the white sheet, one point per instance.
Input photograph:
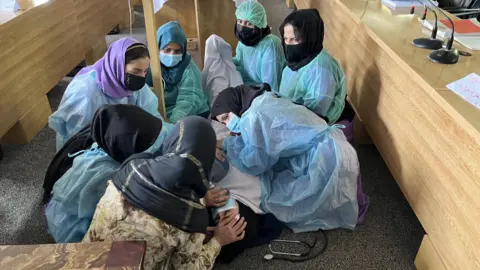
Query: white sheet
{"points": [[244, 188], [219, 72]]}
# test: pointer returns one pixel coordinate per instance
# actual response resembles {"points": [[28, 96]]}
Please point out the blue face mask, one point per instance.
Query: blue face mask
{"points": [[234, 124], [170, 60]]}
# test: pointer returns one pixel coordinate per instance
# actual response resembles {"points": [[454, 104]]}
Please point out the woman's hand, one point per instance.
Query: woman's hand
{"points": [[220, 144], [220, 155], [230, 229], [216, 197]]}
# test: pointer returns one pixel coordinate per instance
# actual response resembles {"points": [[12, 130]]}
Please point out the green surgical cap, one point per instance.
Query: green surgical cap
{"points": [[253, 12]]}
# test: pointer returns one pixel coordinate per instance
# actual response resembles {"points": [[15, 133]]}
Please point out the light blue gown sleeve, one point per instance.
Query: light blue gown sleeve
{"points": [[272, 63], [320, 86], [76, 109], [321, 90], [191, 99], [238, 52], [76, 194], [148, 101], [271, 129]]}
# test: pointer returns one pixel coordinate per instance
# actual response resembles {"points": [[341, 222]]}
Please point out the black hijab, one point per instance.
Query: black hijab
{"points": [[309, 29], [120, 130], [236, 99], [169, 187], [123, 130]]}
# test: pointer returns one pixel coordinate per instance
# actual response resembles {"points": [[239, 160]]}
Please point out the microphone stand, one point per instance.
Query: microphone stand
{"points": [[432, 42], [447, 55]]}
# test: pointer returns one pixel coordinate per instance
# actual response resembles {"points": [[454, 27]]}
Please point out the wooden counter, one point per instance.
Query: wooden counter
{"points": [[428, 136], [38, 47], [127, 255]]}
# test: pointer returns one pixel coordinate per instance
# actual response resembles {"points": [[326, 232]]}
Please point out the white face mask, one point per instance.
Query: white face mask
{"points": [[170, 60]]}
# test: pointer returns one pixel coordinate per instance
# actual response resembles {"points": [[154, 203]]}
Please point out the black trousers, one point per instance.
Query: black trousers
{"points": [[260, 230]]}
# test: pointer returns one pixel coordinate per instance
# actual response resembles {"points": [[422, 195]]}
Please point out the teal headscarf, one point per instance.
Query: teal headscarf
{"points": [[167, 33], [253, 12]]}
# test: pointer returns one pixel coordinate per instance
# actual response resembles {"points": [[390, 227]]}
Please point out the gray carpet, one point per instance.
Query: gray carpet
{"points": [[388, 239]]}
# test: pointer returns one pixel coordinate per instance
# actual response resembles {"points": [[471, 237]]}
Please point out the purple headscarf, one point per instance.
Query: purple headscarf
{"points": [[110, 69]]}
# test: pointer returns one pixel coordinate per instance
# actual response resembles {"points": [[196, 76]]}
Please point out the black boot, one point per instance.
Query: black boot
{"points": [[1, 153]]}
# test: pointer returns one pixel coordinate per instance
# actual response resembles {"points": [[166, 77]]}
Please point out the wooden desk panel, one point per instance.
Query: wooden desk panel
{"points": [[97, 255], [428, 138]]}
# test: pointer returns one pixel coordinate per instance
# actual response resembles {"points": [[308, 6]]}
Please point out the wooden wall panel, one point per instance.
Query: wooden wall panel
{"points": [[431, 148], [43, 44], [216, 17], [182, 11], [35, 48]]}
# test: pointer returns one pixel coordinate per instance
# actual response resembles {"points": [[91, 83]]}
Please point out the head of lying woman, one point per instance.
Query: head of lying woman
{"points": [[233, 102]]}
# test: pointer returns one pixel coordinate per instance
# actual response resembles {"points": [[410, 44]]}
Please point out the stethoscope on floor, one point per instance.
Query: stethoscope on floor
{"points": [[297, 257]]}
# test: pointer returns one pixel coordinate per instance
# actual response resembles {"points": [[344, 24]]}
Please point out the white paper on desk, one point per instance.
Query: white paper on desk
{"points": [[9, 5], [468, 88], [157, 5]]}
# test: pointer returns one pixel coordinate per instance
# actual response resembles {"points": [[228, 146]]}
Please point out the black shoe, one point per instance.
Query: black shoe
{"points": [[1, 153]]}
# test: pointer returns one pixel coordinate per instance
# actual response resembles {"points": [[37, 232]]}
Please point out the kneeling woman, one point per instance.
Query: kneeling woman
{"points": [[308, 171], [117, 78], [182, 79], [77, 177], [157, 199], [313, 77]]}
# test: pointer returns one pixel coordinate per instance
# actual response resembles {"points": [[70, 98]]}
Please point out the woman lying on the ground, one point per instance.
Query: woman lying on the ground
{"points": [[117, 78], [259, 57], [313, 77], [157, 199], [308, 170], [219, 72], [77, 177], [182, 80]]}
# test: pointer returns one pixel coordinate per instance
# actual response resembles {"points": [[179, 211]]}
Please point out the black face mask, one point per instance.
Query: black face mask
{"points": [[134, 82], [248, 36], [296, 53]]}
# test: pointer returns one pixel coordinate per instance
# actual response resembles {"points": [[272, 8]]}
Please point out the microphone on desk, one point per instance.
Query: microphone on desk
{"points": [[432, 42], [447, 55]]}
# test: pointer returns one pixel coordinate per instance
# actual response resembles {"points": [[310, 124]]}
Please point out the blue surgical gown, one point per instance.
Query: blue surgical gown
{"points": [[320, 86], [307, 168], [262, 63], [81, 100], [76, 195], [187, 97]]}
